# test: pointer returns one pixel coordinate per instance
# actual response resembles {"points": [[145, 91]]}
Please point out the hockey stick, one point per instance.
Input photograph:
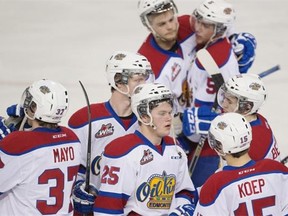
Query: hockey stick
{"points": [[284, 160], [88, 162], [212, 68], [269, 71]]}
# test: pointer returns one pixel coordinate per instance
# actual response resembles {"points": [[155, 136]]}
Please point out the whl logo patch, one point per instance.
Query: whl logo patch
{"points": [[105, 130], [147, 157]]}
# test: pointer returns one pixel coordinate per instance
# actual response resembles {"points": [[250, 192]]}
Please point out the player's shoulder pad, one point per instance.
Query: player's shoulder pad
{"points": [[122, 145], [185, 28], [22, 142], [220, 51], [80, 117], [150, 49]]}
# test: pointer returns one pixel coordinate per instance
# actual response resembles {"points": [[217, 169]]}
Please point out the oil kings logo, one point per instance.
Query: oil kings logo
{"points": [[158, 191], [105, 130]]}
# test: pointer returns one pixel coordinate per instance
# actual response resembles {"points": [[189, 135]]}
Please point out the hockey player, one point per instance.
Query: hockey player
{"points": [[146, 173], [243, 94], [171, 46], [38, 167], [213, 19], [243, 187], [110, 119]]}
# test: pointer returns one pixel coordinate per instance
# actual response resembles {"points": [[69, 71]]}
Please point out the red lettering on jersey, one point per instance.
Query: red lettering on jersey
{"points": [[250, 188], [1, 163], [63, 154]]}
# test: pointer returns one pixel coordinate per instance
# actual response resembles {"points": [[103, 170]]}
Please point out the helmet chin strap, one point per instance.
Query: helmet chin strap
{"points": [[125, 93]]}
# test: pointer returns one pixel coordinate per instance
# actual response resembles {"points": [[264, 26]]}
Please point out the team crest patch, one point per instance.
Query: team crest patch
{"points": [[147, 157], [176, 68], [44, 89], [222, 125], [158, 191], [105, 130], [255, 86]]}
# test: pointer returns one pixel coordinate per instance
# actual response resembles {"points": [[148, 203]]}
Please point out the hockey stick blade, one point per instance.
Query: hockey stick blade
{"points": [[88, 162], [269, 71]]}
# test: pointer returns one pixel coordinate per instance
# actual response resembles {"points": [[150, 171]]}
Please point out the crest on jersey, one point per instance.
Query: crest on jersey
{"points": [[255, 86], [147, 157], [119, 56], [105, 130], [44, 89], [157, 191], [176, 68], [222, 125], [227, 11]]}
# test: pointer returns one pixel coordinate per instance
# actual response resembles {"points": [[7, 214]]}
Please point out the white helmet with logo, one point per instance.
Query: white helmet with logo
{"points": [[47, 99], [147, 96], [229, 133], [122, 65], [248, 88], [218, 12], [147, 7]]}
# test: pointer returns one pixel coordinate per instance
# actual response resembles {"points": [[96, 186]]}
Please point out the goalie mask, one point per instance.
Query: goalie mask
{"points": [[46, 100], [217, 12], [229, 133], [123, 65], [248, 89], [147, 7], [146, 97]]}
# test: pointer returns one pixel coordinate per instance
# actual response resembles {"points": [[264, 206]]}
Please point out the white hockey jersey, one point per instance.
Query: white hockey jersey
{"points": [[106, 126], [257, 188], [199, 80], [37, 171], [137, 179]]}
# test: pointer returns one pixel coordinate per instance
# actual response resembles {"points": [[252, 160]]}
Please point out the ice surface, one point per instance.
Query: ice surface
{"points": [[70, 40]]}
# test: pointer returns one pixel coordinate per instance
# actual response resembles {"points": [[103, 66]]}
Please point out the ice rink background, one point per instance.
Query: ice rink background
{"points": [[70, 40]]}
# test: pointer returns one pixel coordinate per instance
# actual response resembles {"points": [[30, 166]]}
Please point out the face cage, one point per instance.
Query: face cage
{"points": [[128, 73], [242, 103], [161, 8], [142, 109], [220, 28]]}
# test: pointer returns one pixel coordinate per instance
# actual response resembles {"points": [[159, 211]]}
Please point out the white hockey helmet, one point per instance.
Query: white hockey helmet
{"points": [[248, 88], [218, 12], [147, 7], [147, 96], [49, 98], [123, 64], [229, 133]]}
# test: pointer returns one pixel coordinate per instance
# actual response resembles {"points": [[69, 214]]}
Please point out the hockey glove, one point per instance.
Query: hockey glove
{"points": [[244, 46], [15, 111], [4, 129], [82, 200], [197, 120], [185, 210], [177, 123]]}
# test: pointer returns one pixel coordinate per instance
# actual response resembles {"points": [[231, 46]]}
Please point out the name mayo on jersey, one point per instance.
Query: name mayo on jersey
{"points": [[159, 190], [63, 154]]}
